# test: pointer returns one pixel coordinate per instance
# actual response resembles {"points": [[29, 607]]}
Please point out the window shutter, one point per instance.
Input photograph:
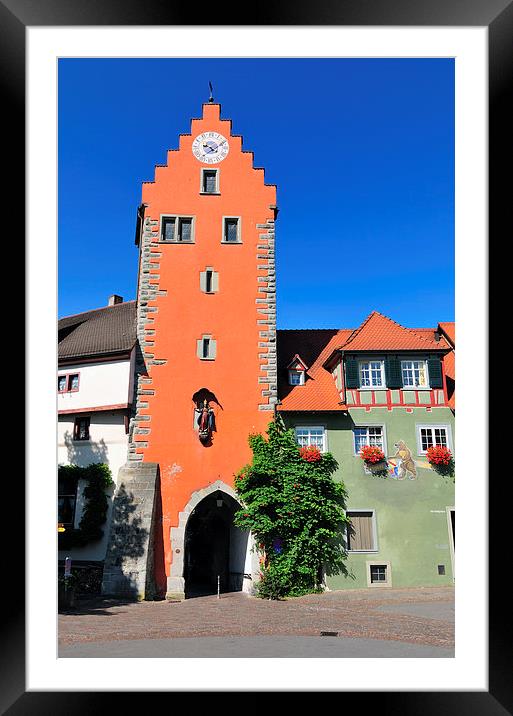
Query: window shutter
{"points": [[352, 378], [435, 372], [393, 372]]}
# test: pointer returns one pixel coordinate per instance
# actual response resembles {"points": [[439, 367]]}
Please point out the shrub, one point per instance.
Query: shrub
{"points": [[295, 510]]}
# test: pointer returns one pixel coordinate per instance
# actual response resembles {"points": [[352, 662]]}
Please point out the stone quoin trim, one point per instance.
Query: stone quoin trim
{"points": [[148, 292], [266, 315]]}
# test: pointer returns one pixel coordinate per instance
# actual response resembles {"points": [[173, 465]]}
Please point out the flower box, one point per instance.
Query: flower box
{"points": [[374, 459], [441, 460], [377, 468]]}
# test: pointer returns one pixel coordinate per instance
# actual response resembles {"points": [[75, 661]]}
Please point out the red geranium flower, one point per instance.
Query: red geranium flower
{"points": [[310, 453], [439, 455], [372, 454]]}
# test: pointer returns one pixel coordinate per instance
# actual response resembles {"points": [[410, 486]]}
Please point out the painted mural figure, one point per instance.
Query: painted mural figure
{"points": [[405, 462]]}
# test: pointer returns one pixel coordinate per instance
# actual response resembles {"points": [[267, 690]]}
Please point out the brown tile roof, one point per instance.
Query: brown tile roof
{"points": [[380, 333], [111, 329], [314, 346]]}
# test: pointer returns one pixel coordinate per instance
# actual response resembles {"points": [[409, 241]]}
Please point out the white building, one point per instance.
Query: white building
{"points": [[94, 395]]}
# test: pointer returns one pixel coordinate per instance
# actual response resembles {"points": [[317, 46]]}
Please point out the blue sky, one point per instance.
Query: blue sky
{"points": [[362, 151]]}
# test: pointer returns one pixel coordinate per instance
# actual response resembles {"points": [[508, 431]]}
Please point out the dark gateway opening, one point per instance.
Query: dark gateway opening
{"points": [[214, 547]]}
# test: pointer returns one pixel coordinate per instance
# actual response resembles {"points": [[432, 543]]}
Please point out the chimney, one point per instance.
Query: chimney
{"points": [[115, 299]]}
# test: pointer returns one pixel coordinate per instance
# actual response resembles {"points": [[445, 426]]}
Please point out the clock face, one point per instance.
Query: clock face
{"points": [[210, 147]]}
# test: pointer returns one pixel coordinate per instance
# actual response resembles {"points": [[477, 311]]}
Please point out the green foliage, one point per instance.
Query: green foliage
{"points": [[296, 512], [99, 478]]}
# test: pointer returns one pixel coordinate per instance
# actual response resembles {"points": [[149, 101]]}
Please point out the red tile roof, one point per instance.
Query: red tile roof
{"points": [[380, 333], [314, 346], [449, 329]]}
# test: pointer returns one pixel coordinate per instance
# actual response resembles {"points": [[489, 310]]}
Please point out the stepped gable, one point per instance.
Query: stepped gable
{"points": [[314, 346], [101, 331]]}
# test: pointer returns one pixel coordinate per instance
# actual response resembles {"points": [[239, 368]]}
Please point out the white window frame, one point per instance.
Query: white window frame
{"points": [[212, 347], [426, 372], [202, 181], [177, 218], [367, 426], [374, 532], [314, 427], [383, 376], [378, 563], [432, 426], [300, 373]]}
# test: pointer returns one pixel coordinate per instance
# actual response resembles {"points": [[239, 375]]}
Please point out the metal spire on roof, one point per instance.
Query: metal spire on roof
{"points": [[211, 98]]}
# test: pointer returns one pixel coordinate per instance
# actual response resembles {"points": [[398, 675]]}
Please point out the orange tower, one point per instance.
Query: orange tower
{"points": [[206, 311]]}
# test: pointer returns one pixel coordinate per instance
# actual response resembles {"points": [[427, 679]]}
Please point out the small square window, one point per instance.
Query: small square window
{"points": [[81, 429], [296, 377], [231, 233], [168, 228], [73, 382], [206, 348], [209, 181], [378, 573], [184, 230], [209, 280], [62, 382]]}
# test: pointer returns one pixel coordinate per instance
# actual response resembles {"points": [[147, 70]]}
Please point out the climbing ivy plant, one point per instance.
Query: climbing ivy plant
{"points": [[99, 478], [295, 510]]}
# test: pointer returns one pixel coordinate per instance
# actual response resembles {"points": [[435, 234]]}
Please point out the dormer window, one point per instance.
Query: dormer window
{"points": [[415, 373], [297, 371], [372, 374], [296, 377]]}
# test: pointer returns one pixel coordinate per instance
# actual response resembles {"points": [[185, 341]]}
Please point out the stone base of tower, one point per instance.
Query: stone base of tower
{"points": [[128, 569], [175, 589]]}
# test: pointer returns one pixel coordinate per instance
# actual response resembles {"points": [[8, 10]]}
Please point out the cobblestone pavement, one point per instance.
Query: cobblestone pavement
{"points": [[415, 616]]}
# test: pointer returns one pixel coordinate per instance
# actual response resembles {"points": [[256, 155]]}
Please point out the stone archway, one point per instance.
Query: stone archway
{"points": [[176, 580]]}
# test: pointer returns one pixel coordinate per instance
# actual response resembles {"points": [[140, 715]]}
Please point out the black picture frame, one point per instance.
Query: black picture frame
{"points": [[497, 16]]}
